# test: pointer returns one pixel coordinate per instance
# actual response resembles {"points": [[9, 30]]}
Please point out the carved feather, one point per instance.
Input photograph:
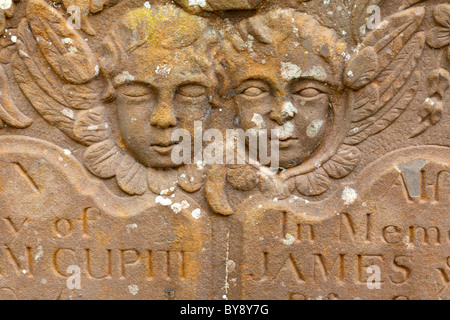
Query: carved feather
{"points": [[393, 110], [51, 110], [55, 67], [8, 110], [63, 48], [378, 105], [359, 17]]}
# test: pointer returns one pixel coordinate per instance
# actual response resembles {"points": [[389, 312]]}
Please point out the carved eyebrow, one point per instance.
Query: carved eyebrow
{"points": [[254, 82], [257, 79], [300, 84], [127, 78], [200, 80], [318, 73], [328, 81], [123, 78]]}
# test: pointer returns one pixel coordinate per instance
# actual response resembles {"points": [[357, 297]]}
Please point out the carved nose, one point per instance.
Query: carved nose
{"points": [[164, 116], [282, 112]]}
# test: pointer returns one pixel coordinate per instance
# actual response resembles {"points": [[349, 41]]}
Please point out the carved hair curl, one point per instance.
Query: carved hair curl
{"points": [[262, 36], [165, 26]]}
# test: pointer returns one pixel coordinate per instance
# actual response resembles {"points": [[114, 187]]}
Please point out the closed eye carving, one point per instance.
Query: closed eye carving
{"points": [[192, 91], [135, 90]]}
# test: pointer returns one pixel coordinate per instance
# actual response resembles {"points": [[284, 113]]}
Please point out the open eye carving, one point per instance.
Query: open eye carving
{"points": [[253, 88], [253, 92], [309, 89], [308, 93]]}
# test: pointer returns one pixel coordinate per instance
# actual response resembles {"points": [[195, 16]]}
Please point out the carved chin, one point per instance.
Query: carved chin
{"points": [[156, 161], [105, 160], [295, 155]]}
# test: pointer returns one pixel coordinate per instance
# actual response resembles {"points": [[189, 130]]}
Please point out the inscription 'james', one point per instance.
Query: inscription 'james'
{"points": [[310, 258]]}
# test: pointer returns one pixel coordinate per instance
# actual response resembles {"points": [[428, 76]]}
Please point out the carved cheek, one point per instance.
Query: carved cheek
{"points": [[189, 111], [133, 118], [311, 120], [248, 108]]}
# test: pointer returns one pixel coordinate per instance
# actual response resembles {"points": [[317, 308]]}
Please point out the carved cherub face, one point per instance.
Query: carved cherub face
{"points": [[283, 79], [165, 86], [167, 92]]}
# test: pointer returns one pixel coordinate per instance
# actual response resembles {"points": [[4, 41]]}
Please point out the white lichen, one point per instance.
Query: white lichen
{"points": [[68, 113], [286, 131], [131, 227], [289, 240], [258, 120], [133, 289], [177, 207], [163, 70], [196, 214], [5, 4], [201, 3], [39, 253], [349, 196], [317, 73], [290, 71], [123, 78], [289, 109], [163, 201], [314, 128]]}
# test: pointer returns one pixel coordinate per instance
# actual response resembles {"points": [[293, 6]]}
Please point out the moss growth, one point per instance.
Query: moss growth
{"points": [[166, 26]]}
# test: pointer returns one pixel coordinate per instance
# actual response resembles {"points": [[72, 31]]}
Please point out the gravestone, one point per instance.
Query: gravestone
{"points": [[101, 99]]}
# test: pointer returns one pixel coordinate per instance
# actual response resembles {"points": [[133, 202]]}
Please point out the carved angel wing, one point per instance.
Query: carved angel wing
{"points": [[9, 113], [384, 82], [82, 8], [360, 13], [55, 69], [383, 74], [350, 17]]}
